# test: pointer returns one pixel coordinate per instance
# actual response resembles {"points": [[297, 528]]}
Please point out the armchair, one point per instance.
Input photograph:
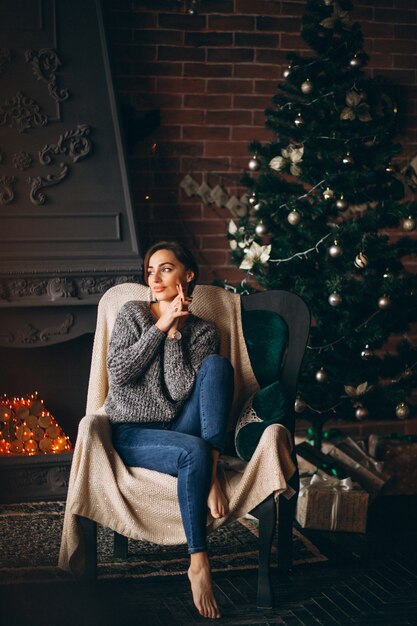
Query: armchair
{"points": [[142, 504]]}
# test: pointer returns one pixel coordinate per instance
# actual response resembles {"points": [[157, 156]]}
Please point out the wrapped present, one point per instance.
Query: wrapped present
{"points": [[369, 473], [330, 503], [399, 455], [316, 459]]}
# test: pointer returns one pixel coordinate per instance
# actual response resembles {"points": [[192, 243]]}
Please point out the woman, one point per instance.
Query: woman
{"points": [[169, 398]]}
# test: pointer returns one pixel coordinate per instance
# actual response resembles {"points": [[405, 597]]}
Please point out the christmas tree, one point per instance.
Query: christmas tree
{"points": [[324, 198]]}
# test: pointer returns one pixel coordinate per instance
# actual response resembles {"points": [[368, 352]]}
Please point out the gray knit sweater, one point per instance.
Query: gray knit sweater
{"points": [[151, 376]]}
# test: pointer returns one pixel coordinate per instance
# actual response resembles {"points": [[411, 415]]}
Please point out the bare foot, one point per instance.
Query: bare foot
{"points": [[201, 586], [217, 501]]}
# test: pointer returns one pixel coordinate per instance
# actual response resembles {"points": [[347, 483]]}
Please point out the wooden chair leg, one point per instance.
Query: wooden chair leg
{"points": [[266, 512], [120, 546], [89, 531], [286, 515]]}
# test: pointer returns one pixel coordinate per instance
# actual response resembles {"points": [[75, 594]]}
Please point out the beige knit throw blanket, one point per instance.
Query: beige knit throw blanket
{"points": [[143, 504]]}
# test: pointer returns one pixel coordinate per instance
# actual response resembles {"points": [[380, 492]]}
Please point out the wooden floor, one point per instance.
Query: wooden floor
{"points": [[368, 580]]}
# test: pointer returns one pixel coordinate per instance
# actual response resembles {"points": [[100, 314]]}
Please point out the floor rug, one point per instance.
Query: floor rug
{"points": [[30, 536]]}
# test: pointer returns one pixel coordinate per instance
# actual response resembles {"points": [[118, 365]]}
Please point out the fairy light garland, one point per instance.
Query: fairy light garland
{"points": [[302, 254], [355, 330], [305, 104], [304, 195]]}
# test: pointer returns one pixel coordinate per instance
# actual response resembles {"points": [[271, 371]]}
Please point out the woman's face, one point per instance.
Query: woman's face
{"points": [[165, 272]]}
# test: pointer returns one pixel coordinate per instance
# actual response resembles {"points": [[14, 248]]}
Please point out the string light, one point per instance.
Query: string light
{"points": [[306, 104], [304, 195], [355, 330], [303, 254]]}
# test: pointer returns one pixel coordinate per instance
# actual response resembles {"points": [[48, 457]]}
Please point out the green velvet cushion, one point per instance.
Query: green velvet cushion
{"points": [[266, 336]]}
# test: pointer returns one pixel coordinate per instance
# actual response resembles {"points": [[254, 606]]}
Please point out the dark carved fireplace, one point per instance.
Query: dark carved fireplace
{"points": [[67, 227]]}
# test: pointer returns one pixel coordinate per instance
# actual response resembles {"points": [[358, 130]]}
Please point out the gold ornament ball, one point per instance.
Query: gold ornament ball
{"points": [[257, 206], [341, 204], [260, 229], [307, 86], [402, 410], [361, 261], [328, 193], [361, 413], [299, 405], [254, 164], [321, 375], [366, 353], [335, 299], [408, 373], [384, 302], [409, 224], [335, 250], [294, 218], [299, 120]]}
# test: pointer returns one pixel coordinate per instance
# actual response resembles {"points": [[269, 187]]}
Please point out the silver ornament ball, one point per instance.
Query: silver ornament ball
{"points": [[286, 72], [254, 164], [355, 61], [402, 410], [321, 375], [335, 299], [366, 353], [361, 413], [252, 199], [341, 204], [307, 86], [299, 405], [409, 224], [387, 275], [347, 159], [257, 206], [294, 218], [260, 228], [328, 193], [299, 120], [335, 250], [361, 261], [384, 302]]}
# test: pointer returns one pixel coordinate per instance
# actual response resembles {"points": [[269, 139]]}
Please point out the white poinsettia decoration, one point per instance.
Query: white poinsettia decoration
{"points": [[290, 156], [255, 254], [239, 238], [355, 107], [360, 390], [339, 16]]}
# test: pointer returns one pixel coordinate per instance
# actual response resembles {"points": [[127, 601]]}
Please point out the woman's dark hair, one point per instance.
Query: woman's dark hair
{"points": [[183, 255]]}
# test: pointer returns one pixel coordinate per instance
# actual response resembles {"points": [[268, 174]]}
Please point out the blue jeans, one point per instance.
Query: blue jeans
{"points": [[184, 447]]}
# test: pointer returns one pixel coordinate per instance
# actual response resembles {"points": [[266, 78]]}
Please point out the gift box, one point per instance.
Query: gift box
{"points": [[399, 455], [329, 503], [372, 475], [316, 459]]}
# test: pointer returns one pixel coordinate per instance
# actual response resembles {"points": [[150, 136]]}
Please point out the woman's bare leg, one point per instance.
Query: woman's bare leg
{"points": [[199, 574], [217, 501]]}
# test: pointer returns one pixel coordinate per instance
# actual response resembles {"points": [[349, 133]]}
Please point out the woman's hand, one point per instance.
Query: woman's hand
{"points": [[173, 311]]}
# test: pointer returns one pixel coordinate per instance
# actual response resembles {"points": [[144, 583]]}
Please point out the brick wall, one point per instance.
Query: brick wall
{"points": [[212, 74]]}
